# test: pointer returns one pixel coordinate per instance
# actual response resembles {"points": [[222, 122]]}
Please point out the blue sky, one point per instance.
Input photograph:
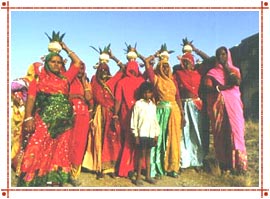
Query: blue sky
{"points": [[149, 29]]}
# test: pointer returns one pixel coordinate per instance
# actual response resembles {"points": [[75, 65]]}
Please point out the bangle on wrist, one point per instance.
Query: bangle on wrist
{"points": [[91, 121], [217, 88], [119, 62], [87, 89], [90, 110], [27, 119], [115, 116]]}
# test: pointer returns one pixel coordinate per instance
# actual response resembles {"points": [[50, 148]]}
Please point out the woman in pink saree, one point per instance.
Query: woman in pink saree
{"points": [[225, 110]]}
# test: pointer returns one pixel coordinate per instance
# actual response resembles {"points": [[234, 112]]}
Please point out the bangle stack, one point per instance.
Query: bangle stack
{"points": [[27, 119]]}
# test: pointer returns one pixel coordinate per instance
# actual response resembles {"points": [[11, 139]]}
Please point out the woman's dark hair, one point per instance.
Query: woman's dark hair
{"points": [[218, 51], [145, 86]]}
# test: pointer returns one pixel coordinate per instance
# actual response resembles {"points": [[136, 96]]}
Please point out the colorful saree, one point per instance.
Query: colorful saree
{"points": [[79, 133], [192, 151], [126, 94], [165, 157], [104, 145], [225, 110], [46, 156]]}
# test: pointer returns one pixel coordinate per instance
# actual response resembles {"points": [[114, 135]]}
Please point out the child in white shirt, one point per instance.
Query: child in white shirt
{"points": [[145, 127]]}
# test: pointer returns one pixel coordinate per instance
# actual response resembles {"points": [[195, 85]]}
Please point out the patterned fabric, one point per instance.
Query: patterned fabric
{"points": [[80, 128], [46, 159], [19, 89], [55, 111]]}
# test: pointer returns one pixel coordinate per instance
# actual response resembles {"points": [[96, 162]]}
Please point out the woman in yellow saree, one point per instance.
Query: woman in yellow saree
{"points": [[165, 157]]}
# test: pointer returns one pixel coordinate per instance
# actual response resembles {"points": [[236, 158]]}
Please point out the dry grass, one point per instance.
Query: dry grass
{"points": [[251, 179]]}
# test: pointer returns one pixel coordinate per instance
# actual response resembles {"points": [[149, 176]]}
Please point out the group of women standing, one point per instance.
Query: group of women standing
{"points": [[75, 122]]}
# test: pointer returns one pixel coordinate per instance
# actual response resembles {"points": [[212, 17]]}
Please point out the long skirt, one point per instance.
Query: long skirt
{"points": [[128, 152], [165, 157], [46, 159], [229, 156], [79, 133], [103, 148], [192, 151], [158, 152], [17, 137]]}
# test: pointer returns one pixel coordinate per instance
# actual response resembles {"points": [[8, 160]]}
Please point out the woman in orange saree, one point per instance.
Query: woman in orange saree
{"points": [[165, 157]]}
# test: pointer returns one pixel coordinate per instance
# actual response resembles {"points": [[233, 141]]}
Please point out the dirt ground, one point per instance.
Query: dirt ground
{"points": [[210, 177]]}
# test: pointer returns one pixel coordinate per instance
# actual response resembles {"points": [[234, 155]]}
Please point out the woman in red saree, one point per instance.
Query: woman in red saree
{"points": [[80, 97], [104, 142], [125, 95], [19, 89], [49, 119], [225, 110]]}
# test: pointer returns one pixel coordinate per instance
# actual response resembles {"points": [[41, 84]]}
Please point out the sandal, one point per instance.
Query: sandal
{"points": [[198, 169], [75, 182], [151, 181], [100, 175], [138, 182], [131, 174], [173, 174], [113, 175], [158, 177]]}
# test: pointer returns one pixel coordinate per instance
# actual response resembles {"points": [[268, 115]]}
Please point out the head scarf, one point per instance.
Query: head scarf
{"points": [[33, 71], [217, 72], [46, 64], [103, 66], [159, 69], [189, 57], [132, 66], [83, 65]]}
